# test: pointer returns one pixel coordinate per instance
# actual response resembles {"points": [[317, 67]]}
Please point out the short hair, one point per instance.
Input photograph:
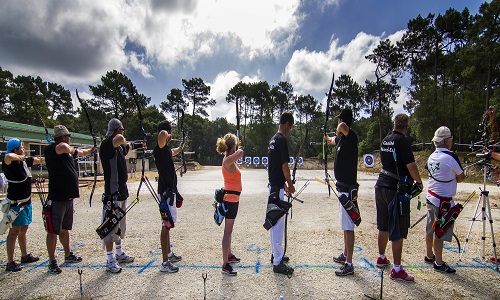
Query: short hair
{"points": [[286, 117], [401, 121], [440, 144], [164, 125]]}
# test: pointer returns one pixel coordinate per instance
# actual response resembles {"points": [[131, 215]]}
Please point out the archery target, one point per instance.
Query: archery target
{"points": [[240, 161], [291, 161], [300, 161], [369, 160], [256, 160], [248, 160], [264, 160]]}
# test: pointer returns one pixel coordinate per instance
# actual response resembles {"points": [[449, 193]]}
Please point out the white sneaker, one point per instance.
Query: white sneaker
{"points": [[124, 258], [174, 258], [168, 267], [113, 267]]}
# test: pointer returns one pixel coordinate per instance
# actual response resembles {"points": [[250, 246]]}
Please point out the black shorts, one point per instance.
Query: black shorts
{"points": [[61, 213], [383, 197], [232, 209]]}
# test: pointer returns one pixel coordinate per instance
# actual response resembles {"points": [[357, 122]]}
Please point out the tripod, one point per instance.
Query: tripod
{"points": [[485, 200]]}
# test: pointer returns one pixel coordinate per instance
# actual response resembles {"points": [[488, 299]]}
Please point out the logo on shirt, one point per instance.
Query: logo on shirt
{"points": [[434, 167]]}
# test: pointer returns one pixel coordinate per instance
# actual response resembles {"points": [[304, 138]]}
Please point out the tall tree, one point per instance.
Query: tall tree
{"points": [[197, 93]]}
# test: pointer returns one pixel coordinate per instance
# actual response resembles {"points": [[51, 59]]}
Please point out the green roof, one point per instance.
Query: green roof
{"points": [[36, 134]]}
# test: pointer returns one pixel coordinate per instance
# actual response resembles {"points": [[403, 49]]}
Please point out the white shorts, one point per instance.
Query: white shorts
{"points": [[346, 222]]}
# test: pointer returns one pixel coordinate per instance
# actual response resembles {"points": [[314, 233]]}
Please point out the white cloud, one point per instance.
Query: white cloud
{"points": [[219, 89], [311, 72]]}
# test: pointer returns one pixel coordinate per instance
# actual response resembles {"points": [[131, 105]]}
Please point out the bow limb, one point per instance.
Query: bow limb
{"points": [[183, 167], [296, 159], [47, 135], [94, 138], [325, 133]]}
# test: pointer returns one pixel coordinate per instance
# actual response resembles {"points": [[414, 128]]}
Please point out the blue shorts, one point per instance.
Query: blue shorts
{"points": [[25, 217]]}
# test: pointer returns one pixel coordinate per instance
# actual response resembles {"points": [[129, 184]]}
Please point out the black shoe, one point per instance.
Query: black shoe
{"points": [[283, 269], [284, 259], [72, 258], [29, 258], [13, 267], [228, 270], [232, 259], [429, 260], [345, 270], [54, 267], [444, 268]]}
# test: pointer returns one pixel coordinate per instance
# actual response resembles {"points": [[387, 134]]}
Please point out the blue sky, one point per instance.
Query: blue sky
{"points": [[158, 43]]}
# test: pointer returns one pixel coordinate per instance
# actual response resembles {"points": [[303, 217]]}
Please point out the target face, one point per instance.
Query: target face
{"points": [[256, 160], [248, 160], [291, 161], [264, 160], [369, 160], [300, 161]]}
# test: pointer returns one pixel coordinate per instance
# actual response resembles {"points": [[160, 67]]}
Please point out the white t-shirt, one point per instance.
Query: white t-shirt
{"points": [[443, 167]]}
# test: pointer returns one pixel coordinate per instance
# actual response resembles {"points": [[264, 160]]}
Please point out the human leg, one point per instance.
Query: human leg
{"points": [[276, 233], [11, 242], [226, 240], [22, 240], [349, 244], [64, 239], [165, 242]]}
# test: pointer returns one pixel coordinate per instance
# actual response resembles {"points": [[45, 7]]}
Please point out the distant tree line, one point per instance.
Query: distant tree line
{"points": [[452, 62]]}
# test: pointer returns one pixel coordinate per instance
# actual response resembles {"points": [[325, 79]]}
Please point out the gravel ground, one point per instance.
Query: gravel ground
{"points": [[314, 237]]}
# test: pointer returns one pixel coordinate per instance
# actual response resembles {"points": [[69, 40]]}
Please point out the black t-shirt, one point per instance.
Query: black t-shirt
{"points": [[397, 143], [346, 158], [278, 155], [63, 177], [166, 170], [114, 167], [19, 178]]}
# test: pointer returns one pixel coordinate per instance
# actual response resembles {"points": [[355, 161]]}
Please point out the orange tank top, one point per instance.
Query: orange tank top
{"points": [[232, 182]]}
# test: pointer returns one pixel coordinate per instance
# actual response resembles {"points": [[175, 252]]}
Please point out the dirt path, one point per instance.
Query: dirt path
{"points": [[314, 236]]}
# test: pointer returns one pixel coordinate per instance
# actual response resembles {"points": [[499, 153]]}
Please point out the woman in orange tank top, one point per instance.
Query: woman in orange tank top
{"points": [[232, 182]]}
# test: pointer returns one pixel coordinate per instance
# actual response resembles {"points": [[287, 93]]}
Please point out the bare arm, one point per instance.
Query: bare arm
{"points": [[231, 159], [9, 158], [413, 169], [286, 171], [460, 177]]}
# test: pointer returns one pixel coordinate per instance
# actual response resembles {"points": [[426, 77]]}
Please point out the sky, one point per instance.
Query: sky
{"points": [[158, 43]]}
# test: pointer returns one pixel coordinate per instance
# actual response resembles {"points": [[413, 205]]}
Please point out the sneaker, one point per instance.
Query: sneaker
{"points": [[72, 258], [492, 259], [401, 275], [341, 259], [228, 270], [428, 260], [29, 258], [345, 270], [284, 259], [444, 268], [168, 267], [381, 263], [13, 267], [54, 267], [283, 269], [233, 259], [124, 258], [113, 267], [174, 258]]}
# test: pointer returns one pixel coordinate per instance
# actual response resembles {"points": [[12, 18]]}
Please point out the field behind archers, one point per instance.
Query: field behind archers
{"points": [[314, 237]]}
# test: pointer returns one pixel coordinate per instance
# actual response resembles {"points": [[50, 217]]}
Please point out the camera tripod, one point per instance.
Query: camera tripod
{"points": [[485, 201]]}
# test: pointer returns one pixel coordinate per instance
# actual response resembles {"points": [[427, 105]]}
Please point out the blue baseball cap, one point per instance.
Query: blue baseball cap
{"points": [[13, 144]]}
